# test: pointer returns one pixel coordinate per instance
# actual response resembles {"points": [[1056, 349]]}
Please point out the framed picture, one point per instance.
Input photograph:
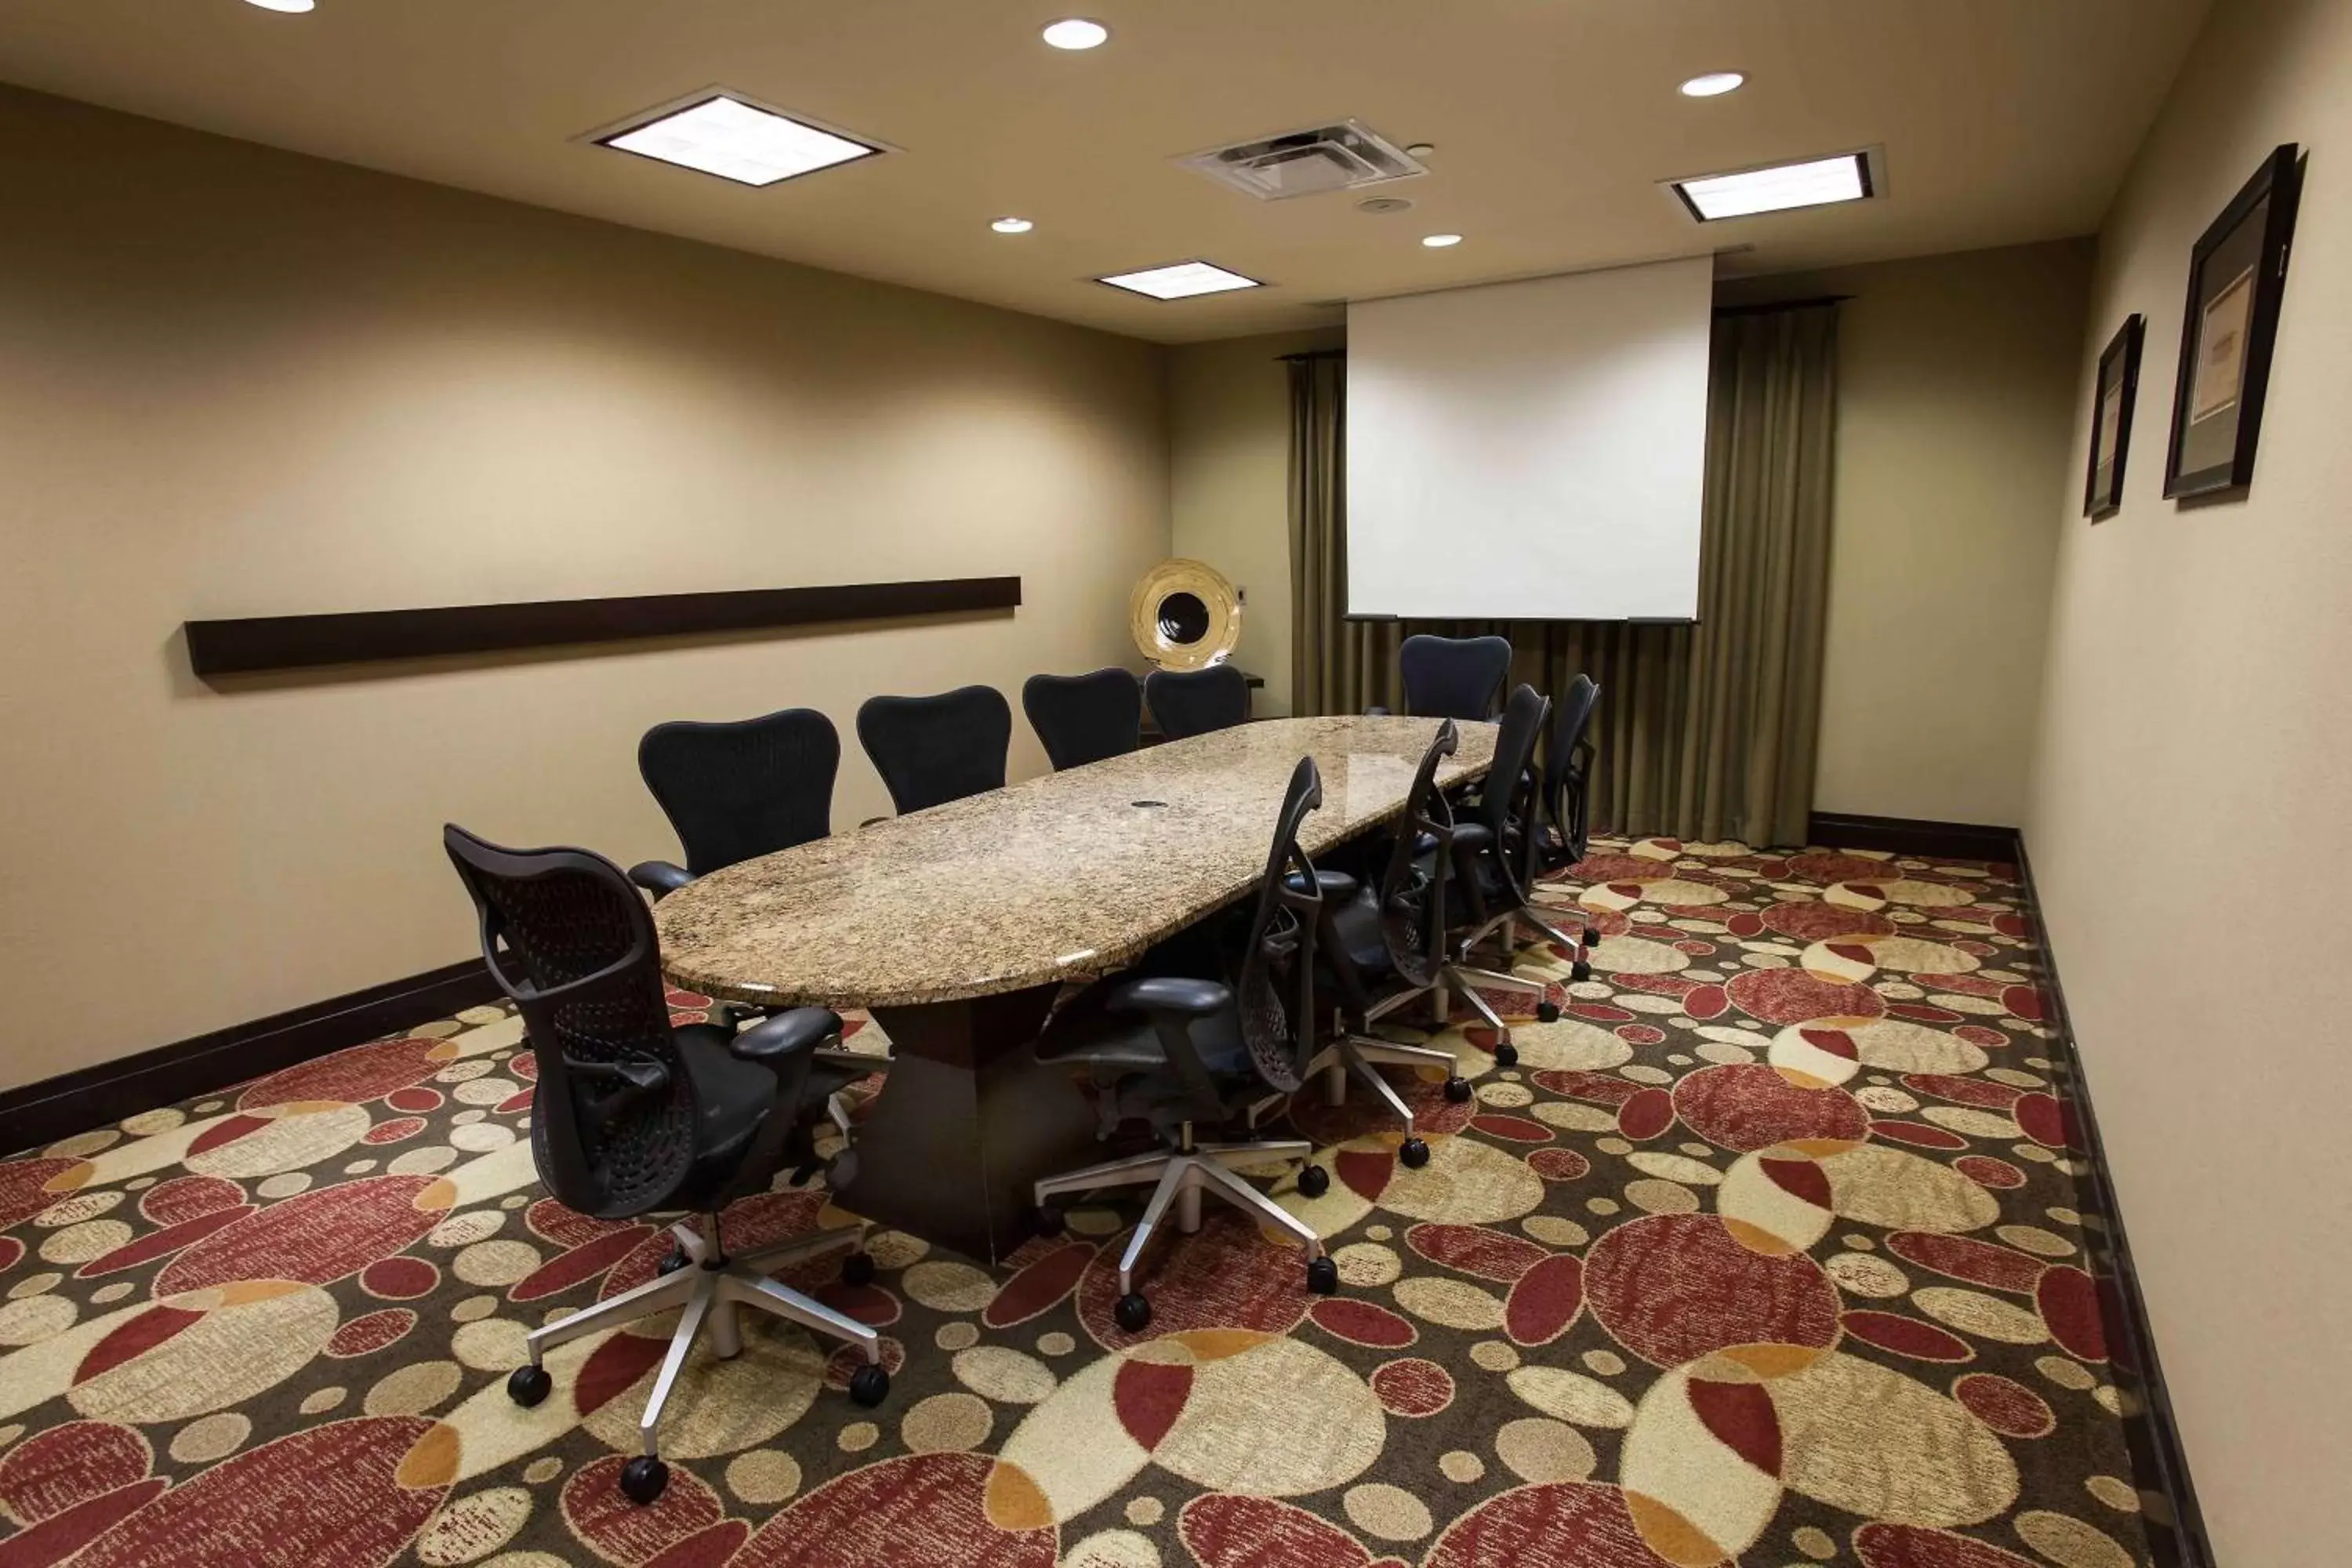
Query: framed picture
{"points": [[2237, 274], [2111, 420]]}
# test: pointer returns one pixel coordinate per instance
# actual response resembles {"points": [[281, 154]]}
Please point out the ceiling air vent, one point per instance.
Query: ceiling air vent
{"points": [[1342, 157]]}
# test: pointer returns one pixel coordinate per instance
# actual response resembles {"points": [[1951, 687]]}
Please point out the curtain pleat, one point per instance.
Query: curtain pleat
{"points": [[1705, 731]]}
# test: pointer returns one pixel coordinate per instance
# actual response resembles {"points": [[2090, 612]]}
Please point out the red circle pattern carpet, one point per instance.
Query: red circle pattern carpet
{"points": [[1771, 1250]]}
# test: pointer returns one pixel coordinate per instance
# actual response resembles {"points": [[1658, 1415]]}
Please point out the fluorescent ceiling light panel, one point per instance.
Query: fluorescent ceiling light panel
{"points": [[1817, 182], [723, 135], [1180, 282]]}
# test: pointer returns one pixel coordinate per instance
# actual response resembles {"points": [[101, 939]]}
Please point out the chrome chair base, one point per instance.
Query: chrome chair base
{"points": [[1466, 977], [709, 1288], [1363, 1056], [1181, 1175]]}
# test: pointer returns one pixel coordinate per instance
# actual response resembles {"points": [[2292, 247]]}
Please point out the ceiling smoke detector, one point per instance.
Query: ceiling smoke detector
{"points": [[1384, 205], [1342, 157]]}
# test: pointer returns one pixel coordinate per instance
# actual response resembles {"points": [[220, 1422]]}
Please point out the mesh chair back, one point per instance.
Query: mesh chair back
{"points": [[736, 791], [1083, 718], [1567, 772], [1506, 804], [1188, 702], [1412, 896], [932, 750], [1453, 678], [612, 1125], [1281, 953]]}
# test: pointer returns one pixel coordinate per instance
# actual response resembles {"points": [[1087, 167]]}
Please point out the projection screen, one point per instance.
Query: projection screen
{"points": [[1531, 450]]}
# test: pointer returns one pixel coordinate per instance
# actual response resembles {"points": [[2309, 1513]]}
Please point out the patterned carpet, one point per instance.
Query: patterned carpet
{"points": [[1769, 1251]]}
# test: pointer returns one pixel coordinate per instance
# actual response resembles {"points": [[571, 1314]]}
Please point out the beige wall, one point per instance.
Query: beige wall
{"points": [[2188, 822], [1956, 388], [238, 381], [1229, 471]]}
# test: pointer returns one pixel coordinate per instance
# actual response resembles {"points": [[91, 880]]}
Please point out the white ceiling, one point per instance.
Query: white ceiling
{"points": [[2002, 121]]}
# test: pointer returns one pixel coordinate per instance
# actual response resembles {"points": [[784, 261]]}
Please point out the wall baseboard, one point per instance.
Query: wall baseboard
{"points": [[1913, 835], [36, 1113], [2158, 1461]]}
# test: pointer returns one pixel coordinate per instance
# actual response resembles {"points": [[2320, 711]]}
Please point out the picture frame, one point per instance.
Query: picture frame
{"points": [[2237, 278], [2114, 396]]}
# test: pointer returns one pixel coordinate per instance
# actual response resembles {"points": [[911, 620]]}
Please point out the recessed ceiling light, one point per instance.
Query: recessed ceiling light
{"points": [[722, 135], [1439, 241], [1180, 280], [1077, 33], [1814, 182], [286, 5], [1714, 84], [1012, 225]]}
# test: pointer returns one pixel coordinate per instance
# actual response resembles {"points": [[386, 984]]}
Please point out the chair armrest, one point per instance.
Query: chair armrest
{"points": [[1337, 886], [1170, 993], [659, 877], [771, 1041]]}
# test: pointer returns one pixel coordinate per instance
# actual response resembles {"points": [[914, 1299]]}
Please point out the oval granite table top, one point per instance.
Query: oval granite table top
{"points": [[1052, 878]]}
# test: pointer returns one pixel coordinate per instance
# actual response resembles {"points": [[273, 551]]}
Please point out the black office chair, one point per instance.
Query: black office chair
{"points": [[1083, 718], [1183, 1053], [932, 750], [1385, 949], [1494, 870], [1187, 702], [634, 1116], [1453, 678], [736, 791], [1568, 774]]}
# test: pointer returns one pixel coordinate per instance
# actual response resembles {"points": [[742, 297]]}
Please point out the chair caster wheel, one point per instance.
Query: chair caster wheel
{"points": [[1546, 1012], [1323, 1277], [644, 1478], [1580, 972], [679, 1258], [869, 1385], [1133, 1312], [1045, 1219], [528, 1384], [1591, 937], [858, 1269], [1506, 1054], [1415, 1153], [1313, 1180], [1457, 1090]]}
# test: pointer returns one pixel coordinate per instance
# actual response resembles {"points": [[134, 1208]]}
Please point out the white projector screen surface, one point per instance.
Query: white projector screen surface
{"points": [[1531, 450]]}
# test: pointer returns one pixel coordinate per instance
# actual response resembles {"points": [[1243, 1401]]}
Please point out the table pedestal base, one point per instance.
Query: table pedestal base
{"points": [[967, 1122]]}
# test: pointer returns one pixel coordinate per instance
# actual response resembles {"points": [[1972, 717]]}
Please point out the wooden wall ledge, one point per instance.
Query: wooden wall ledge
{"points": [[299, 642]]}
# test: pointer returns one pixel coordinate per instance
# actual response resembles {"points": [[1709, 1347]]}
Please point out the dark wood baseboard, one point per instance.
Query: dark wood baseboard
{"points": [[2160, 1463], [36, 1113], [1912, 836]]}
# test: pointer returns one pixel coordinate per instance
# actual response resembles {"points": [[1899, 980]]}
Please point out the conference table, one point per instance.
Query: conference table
{"points": [[958, 928]]}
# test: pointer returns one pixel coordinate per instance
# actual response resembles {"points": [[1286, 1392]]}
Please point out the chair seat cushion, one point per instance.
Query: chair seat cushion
{"points": [[733, 1098], [1473, 834], [1114, 1044], [736, 1098], [1358, 926]]}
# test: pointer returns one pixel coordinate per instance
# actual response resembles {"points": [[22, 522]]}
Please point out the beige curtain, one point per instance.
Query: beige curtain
{"points": [[1705, 731]]}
